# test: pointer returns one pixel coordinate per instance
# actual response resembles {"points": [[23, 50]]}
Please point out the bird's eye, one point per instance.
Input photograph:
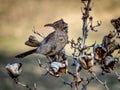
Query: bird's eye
{"points": [[61, 39], [64, 27]]}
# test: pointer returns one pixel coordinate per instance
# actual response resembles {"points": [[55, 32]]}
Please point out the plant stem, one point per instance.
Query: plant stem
{"points": [[85, 18]]}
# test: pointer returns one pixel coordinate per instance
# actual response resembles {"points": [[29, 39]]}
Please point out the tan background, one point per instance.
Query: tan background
{"points": [[17, 18]]}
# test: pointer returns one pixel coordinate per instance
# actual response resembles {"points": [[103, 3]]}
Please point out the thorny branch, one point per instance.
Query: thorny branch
{"points": [[93, 27], [84, 18], [27, 86], [103, 83], [85, 12], [85, 82], [43, 66]]}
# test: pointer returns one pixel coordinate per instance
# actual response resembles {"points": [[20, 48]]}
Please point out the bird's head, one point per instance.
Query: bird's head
{"points": [[60, 24]]}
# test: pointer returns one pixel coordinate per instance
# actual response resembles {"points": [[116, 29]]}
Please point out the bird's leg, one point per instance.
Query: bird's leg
{"points": [[49, 59], [57, 56]]}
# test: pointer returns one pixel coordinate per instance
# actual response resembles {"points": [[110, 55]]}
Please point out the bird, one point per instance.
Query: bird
{"points": [[51, 44]]}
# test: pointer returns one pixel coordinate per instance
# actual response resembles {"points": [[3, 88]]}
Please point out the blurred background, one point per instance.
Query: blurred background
{"points": [[17, 19]]}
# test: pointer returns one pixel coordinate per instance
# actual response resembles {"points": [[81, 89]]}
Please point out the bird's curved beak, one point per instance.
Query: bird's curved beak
{"points": [[51, 25]]}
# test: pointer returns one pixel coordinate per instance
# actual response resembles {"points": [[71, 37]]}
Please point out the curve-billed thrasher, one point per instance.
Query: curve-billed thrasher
{"points": [[53, 43]]}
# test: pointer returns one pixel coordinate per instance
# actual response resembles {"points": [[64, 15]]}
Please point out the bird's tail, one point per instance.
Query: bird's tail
{"points": [[22, 55]]}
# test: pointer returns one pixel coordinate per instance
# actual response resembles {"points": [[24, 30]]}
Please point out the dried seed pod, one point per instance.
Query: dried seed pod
{"points": [[32, 41], [108, 38], [106, 41], [58, 67], [99, 52], [32, 38], [112, 47], [109, 59], [51, 72], [14, 70], [86, 61], [109, 63], [106, 69]]}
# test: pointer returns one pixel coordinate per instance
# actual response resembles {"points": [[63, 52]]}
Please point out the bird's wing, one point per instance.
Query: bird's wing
{"points": [[49, 39], [47, 44]]}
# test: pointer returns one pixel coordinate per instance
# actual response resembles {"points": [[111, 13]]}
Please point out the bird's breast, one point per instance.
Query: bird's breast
{"points": [[61, 39]]}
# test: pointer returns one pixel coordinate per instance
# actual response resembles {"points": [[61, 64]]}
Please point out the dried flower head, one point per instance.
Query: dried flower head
{"points": [[109, 63], [58, 67], [86, 61], [109, 59], [32, 41], [14, 70], [99, 52], [113, 46]]}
